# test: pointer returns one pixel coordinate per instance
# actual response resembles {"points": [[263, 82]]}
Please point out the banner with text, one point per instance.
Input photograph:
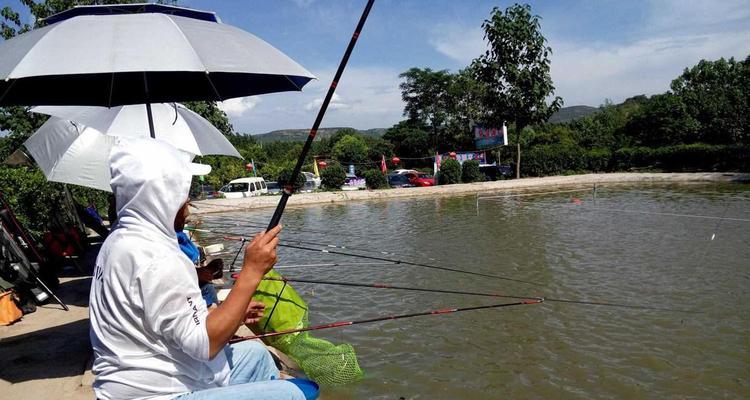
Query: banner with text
{"points": [[488, 137]]}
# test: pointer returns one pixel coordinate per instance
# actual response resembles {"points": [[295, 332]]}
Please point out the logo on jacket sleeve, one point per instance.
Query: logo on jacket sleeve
{"points": [[194, 308]]}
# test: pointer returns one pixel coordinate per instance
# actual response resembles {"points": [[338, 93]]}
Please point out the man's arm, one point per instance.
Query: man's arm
{"points": [[222, 323]]}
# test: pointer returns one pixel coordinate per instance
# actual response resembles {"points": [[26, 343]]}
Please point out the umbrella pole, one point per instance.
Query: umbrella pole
{"points": [[150, 120], [148, 107]]}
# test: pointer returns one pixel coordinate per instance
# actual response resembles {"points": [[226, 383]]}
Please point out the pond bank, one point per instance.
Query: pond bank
{"points": [[226, 205]]}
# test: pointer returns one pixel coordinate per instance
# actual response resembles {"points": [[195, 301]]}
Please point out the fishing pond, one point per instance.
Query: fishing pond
{"points": [[673, 260]]}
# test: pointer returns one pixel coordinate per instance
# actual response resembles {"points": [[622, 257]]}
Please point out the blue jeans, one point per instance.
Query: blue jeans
{"points": [[253, 376]]}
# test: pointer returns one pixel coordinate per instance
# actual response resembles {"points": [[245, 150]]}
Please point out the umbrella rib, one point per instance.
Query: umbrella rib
{"points": [[111, 90], [213, 87], [5, 93], [299, 89], [190, 45]]}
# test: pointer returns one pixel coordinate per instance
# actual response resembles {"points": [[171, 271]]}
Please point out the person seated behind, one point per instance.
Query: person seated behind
{"points": [[207, 271], [151, 333]]}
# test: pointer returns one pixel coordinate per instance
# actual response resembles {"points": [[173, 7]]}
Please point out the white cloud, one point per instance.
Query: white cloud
{"points": [[675, 34], [334, 104], [588, 74], [365, 97], [303, 3], [459, 43], [239, 106], [693, 15]]}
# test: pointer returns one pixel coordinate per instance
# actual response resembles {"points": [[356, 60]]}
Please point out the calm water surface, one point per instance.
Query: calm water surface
{"points": [[576, 249]]}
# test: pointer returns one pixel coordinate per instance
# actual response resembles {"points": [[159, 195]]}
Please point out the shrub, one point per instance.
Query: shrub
{"points": [[598, 160], [552, 159], [375, 179], [286, 175], [685, 157], [450, 172], [333, 176], [470, 172]]}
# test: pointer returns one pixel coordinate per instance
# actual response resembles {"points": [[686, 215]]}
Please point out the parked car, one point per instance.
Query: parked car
{"points": [[205, 192], [311, 178], [493, 172], [399, 181], [405, 171], [420, 179], [273, 187], [354, 182], [244, 187]]}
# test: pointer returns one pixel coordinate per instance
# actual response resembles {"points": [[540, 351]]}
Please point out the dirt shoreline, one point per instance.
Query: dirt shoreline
{"points": [[302, 199]]}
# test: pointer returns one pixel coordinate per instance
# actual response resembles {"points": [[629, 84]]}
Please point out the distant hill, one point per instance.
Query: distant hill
{"points": [[299, 135], [567, 114]]}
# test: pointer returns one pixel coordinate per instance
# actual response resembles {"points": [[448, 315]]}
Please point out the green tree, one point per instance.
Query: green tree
{"points": [[375, 179], [350, 149], [285, 176], [425, 96], [450, 172], [662, 121], [515, 71], [470, 172], [377, 147], [717, 94], [465, 110], [333, 176], [409, 138]]}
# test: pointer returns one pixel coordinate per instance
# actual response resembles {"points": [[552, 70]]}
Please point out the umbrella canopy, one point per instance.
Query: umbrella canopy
{"points": [[175, 123], [75, 154], [118, 55]]}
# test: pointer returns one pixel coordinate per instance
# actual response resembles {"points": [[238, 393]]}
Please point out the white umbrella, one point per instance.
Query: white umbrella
{"points": [[175, 123], [110, 55], [75, 154]]}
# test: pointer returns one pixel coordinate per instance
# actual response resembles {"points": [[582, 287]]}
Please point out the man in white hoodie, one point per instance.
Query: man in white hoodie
{"points": [[151, 333]]}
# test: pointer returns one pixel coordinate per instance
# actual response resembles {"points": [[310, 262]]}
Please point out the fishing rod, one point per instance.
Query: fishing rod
{"points": [[467, 293], [383, 318], [364, 264], [289, 186], [401, 262]]}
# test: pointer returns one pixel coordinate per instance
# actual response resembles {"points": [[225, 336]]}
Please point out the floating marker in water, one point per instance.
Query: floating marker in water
{"points": [[713, 236]]}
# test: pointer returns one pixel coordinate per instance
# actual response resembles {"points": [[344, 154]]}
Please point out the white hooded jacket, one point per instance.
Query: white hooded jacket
{"points": [[148, 319]]}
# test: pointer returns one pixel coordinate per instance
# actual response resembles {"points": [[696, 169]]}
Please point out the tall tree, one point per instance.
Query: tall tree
{"points": [[717, 94], [426, 98], [515, 71]]}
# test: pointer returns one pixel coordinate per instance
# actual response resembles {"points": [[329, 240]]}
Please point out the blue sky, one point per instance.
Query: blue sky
{"points": [[601, 49]]}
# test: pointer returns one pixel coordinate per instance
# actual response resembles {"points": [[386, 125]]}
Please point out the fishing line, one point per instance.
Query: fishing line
{"points": [[366, 264], [331, 245], [383, 318], [401, 262], [481, 294]]}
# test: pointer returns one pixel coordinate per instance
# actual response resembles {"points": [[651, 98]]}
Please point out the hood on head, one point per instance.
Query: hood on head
{"points": [[150, 181]]}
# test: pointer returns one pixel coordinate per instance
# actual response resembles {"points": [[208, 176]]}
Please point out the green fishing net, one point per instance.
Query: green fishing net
{"points": [[322, 361]]}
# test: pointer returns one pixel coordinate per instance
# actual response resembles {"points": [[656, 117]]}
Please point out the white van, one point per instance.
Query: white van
{"points": [[244, 187]]}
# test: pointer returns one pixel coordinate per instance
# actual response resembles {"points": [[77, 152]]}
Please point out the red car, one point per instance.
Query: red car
{"points": [[420, 179]]}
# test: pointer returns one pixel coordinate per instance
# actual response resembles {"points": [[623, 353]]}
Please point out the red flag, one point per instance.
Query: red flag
{"points": [[382, 165]]}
